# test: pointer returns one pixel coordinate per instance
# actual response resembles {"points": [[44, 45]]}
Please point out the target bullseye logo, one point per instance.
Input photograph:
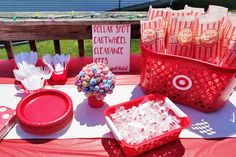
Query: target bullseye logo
{"points": [[182, 82]]}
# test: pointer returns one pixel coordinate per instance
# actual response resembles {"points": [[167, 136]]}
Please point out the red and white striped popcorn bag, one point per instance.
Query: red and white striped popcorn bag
{"points": [[220, 12], [157, 13], [153, 34], [180, 36], [229, 44], [216, 8], [195, 11], [226, 32], [154, 13], [176, 14], [207, 38]]}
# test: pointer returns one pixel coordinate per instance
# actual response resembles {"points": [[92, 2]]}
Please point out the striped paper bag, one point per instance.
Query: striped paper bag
{"points": [[176, 14], [153, 34], [195, 11], [226, 32], [222, 15], [220, 12], [154, 13], [180, 36], [207, 36], [229, 44]]}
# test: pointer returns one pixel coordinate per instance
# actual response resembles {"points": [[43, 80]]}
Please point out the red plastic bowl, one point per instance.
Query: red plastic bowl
{"points": [[45, 112]]}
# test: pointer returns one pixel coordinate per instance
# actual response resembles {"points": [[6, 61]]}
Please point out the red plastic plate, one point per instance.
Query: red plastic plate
{"points": [[45, 112]]}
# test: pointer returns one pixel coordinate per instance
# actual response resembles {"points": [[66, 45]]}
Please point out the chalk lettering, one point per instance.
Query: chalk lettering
{"points": [[108, 50], [103, 60], [111, 45], [109, 40], [102, 28], [122, 28], [119, 68]]}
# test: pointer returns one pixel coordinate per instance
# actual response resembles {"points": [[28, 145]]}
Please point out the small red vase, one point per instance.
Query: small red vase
{"points": [[94, 102]]}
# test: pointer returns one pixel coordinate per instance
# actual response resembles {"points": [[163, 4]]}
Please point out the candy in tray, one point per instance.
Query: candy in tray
{"points": [[145, 123]]}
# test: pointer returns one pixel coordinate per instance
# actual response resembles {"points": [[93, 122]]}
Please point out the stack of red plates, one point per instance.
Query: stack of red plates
{"points": [[45, 112]]}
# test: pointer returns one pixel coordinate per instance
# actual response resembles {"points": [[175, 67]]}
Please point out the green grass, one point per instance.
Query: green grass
{"points": [[67, 47]]}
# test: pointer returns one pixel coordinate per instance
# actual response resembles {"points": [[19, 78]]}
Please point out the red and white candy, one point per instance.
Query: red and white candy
{"points": [[144, 122]]}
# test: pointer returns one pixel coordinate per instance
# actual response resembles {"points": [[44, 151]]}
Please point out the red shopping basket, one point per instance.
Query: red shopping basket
{"points": [[136, 149], [187, 81]]}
